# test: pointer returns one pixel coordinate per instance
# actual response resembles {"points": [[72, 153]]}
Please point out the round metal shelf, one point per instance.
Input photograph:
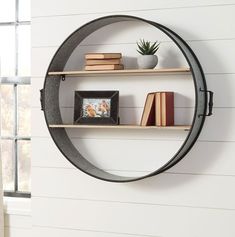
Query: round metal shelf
{"points": [[50, 98]]}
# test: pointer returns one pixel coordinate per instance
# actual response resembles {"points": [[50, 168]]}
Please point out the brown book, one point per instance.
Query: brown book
{"points": [[104, 67], [148, 116], [103, 61], [167, 106], [102, 55], [158, 109]]}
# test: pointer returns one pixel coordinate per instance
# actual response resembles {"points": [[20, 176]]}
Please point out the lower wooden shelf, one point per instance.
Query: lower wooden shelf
{"points": [[122, 126]]}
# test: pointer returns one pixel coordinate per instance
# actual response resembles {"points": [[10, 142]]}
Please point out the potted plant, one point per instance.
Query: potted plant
{"points": [[147, 59]]}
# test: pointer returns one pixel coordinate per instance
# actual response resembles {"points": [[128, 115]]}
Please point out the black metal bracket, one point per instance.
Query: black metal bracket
{"points": [[62, 77], [210, 103], [41, 99]]}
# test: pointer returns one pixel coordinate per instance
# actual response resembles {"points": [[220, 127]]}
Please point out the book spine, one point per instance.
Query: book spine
{"points": [[163, 104], [91, 62], [167, 108], [158, 109], [144, 114], [148, 115], [103, 56], [151, 115], [103, 67]]}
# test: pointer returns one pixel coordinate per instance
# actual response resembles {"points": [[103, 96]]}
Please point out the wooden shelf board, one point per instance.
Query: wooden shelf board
{"points": [[122, 126], [123, 72]]}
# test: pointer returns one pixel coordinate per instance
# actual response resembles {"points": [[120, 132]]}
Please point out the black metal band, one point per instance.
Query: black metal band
{"points": [[50, 98]]}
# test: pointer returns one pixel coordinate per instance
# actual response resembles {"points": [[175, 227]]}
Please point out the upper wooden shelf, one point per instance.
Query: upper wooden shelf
{"points": [[122, 126], [123, 72]]}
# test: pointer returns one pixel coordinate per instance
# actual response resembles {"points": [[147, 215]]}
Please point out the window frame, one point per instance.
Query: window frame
{"points": [[15, 81]]}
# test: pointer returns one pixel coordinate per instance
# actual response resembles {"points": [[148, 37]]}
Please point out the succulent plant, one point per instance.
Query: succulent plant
{"points": [[146, 48]]}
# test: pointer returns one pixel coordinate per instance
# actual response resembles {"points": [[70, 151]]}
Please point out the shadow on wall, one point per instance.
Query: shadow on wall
{"points": [[170, 59], [130, 62]]}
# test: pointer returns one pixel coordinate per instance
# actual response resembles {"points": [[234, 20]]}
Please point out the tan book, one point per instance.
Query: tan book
{"points": [[167, 106], [103, 61], [102, 55], [148, 116], [158, 109], [104, 67]]}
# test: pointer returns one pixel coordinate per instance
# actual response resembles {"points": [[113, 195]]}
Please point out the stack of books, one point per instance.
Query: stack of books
{"points": [[158, 109], [103, 61]]}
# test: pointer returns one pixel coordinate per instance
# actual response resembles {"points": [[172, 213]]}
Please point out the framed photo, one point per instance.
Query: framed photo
{"points": [[96, 107]]}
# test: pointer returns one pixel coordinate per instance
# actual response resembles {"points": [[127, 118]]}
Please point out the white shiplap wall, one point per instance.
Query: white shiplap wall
{"points": [[194, 198]]}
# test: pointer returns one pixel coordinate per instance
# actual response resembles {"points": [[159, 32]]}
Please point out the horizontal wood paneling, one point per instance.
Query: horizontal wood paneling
{"points": [[132, 93], [119, 31], [207, 26], [222, 86], [204, 158], [63, 232], [215, 82], [208, 158], [133, 155], [173, 59], [165, 189], [75, 7], [45, 153], [220, 126], [212, 59], [126, 218], [218, 50]]}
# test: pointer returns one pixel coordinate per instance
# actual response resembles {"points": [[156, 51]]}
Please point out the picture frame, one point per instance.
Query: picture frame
{"points": [[96, 107]]}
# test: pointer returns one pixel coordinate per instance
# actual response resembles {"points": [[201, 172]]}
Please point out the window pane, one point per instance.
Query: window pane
{"points": [[7, 50], [7, 110], [7, 10], [24, 164], [24, 10], [24, 50], [24, 110], [7, 164]]}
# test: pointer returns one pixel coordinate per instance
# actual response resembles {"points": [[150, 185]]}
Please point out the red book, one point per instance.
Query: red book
{"points": [[167, 108]]}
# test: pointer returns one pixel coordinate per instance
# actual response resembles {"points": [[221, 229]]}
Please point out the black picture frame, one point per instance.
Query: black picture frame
{"points": [[96, 107]]}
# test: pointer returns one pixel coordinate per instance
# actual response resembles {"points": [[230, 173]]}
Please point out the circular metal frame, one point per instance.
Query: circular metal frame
{"points": [[50, 98]]}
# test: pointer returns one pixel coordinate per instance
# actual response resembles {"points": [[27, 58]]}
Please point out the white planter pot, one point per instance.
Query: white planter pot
{"points": [[147, 61]]}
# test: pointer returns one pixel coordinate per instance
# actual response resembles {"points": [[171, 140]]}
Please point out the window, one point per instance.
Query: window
{"points": [[15, 96]]}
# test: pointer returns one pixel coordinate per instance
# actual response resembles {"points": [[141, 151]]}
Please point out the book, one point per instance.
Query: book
{"points": [[158, 109], [104, 67], [102, 55], [103, 61], [167, 108], [148, 116]]}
